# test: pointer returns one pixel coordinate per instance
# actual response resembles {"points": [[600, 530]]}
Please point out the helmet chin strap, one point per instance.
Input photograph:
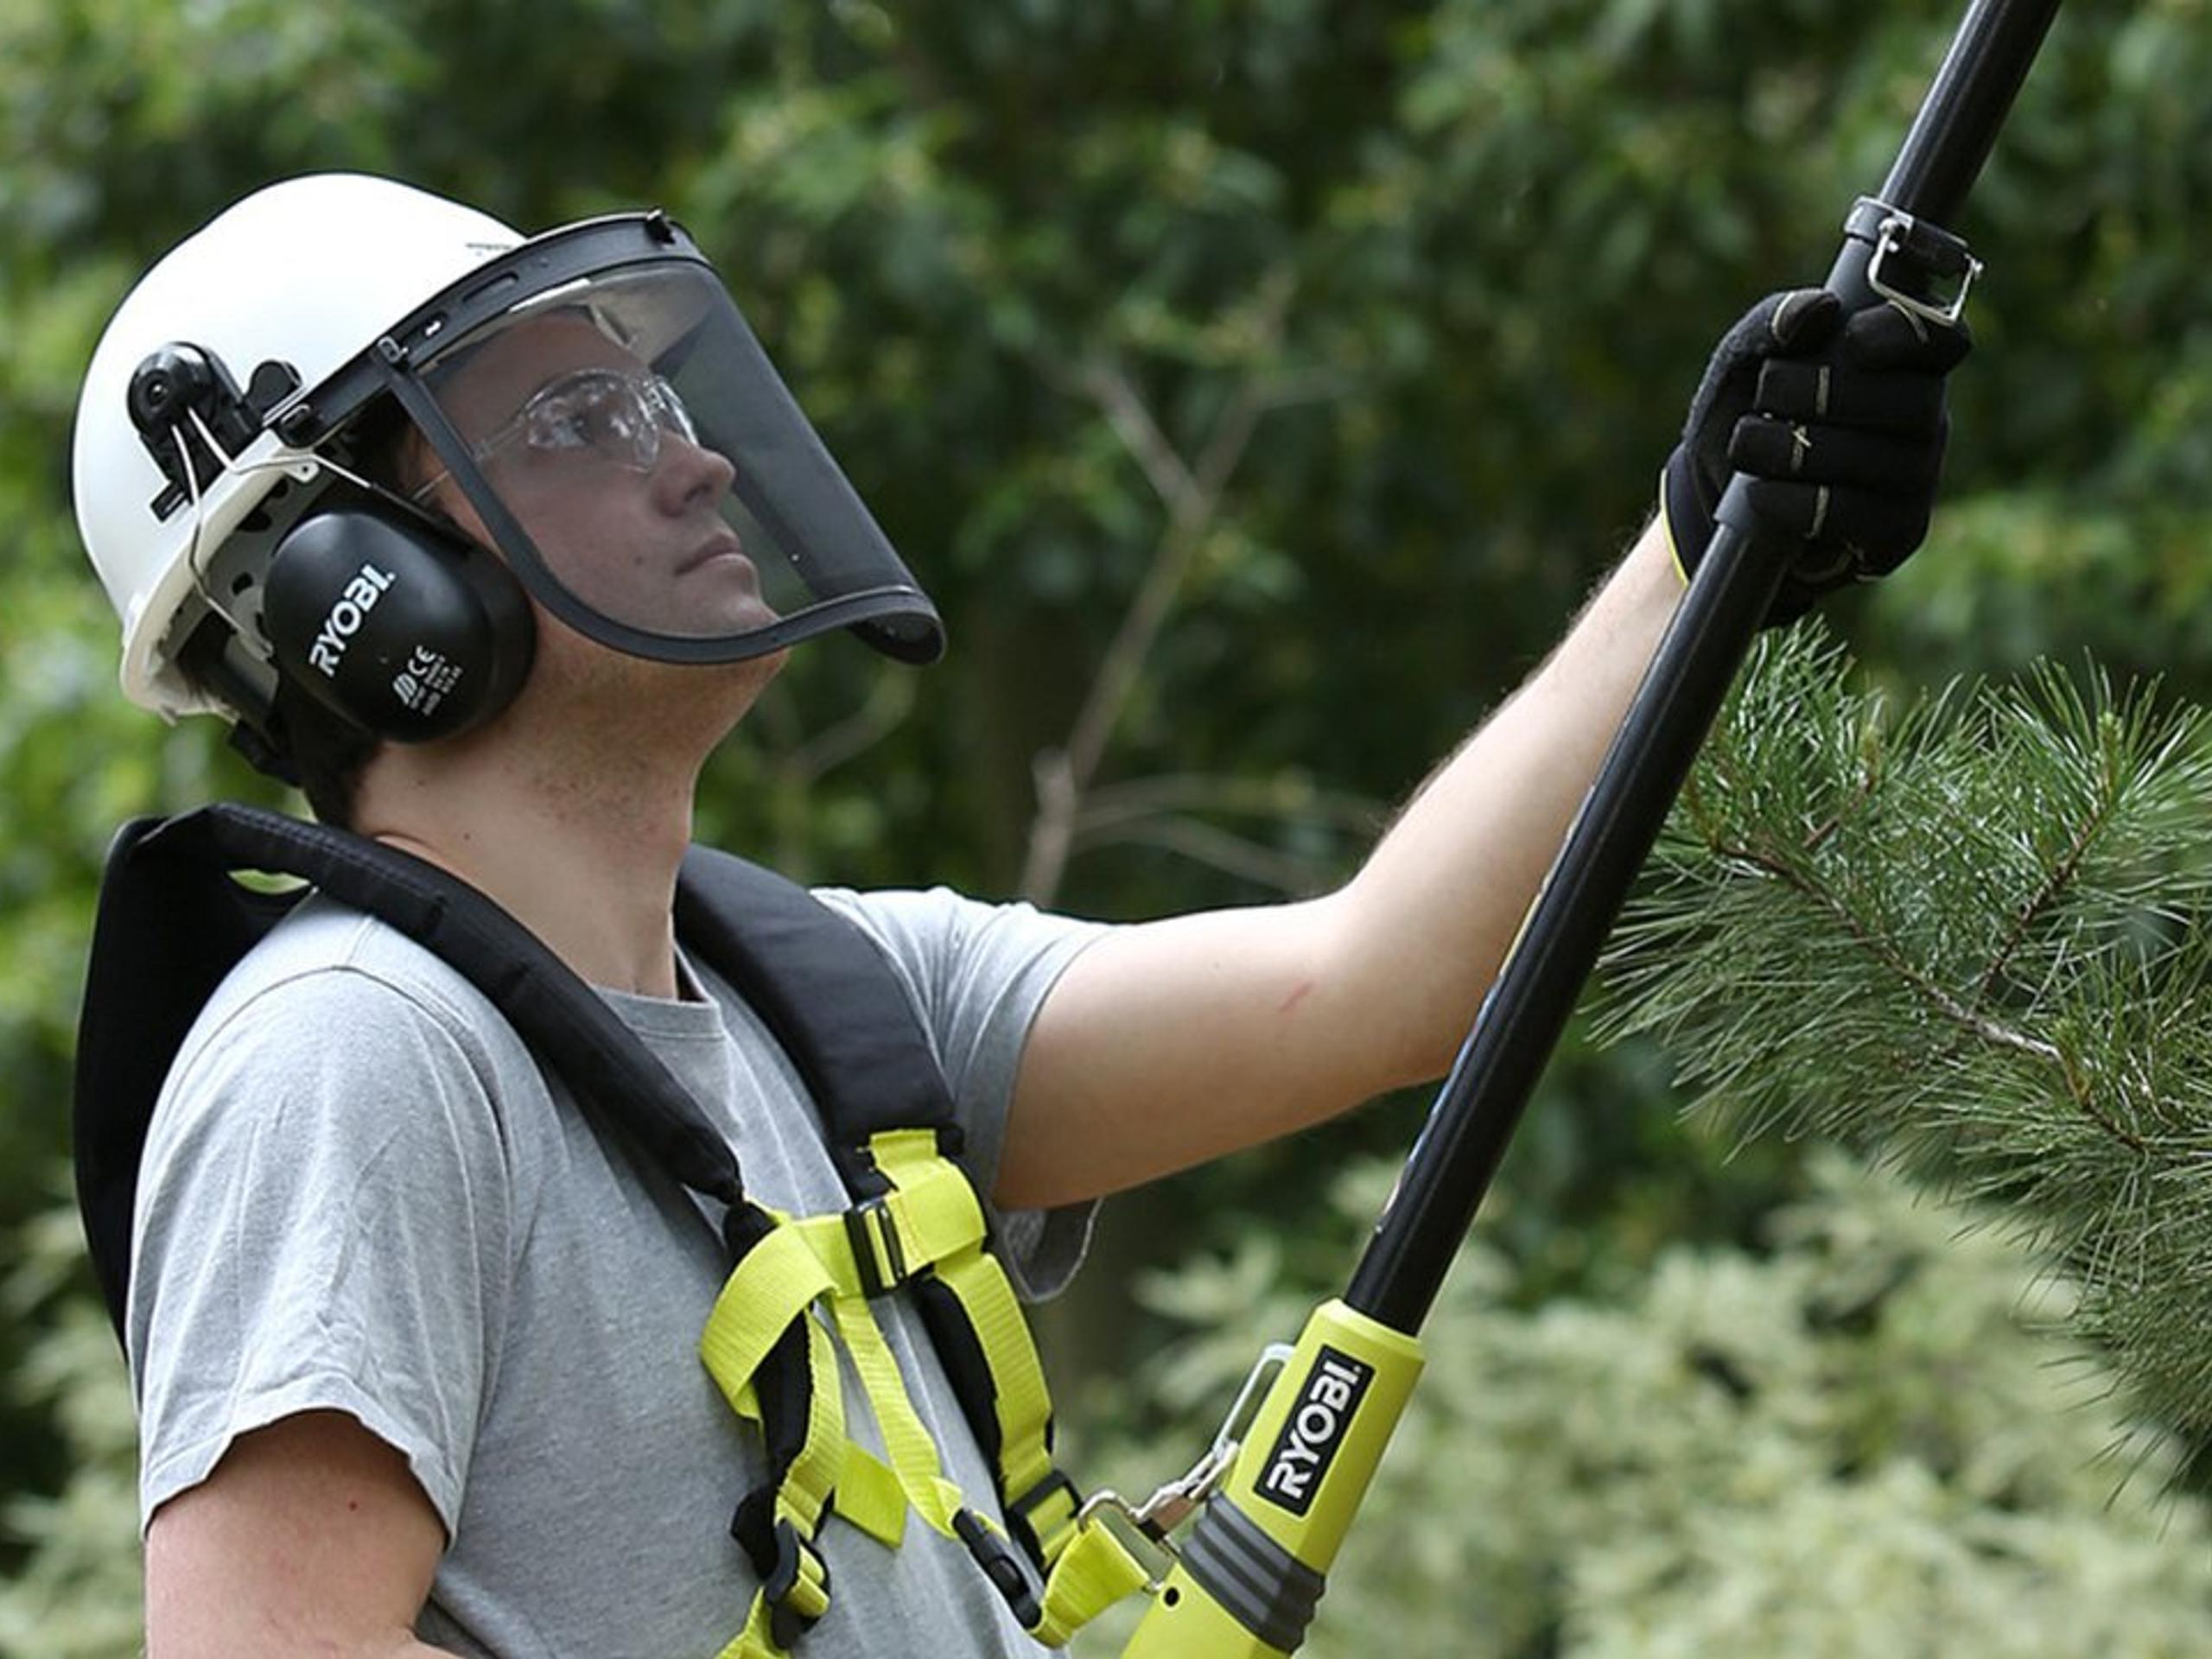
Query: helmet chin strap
{"points": [[302, 470], [193, 506]]}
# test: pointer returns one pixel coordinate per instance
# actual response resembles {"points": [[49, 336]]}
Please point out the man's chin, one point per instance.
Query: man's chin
{"points": [[727, 615]]}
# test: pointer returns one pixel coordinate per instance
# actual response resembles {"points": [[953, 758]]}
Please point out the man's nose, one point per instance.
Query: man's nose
{"points": [[688, 473]]}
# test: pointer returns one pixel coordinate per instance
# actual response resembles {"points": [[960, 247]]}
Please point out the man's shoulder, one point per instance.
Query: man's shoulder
{"points": [[974, 970], [336, 1042], [905, 922], [886, 914], [330, 982]]}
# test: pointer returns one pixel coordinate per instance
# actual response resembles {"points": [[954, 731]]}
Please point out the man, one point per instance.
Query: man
{"points": [[413, 1342]]}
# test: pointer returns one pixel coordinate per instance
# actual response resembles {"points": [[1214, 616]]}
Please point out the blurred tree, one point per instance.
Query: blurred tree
{"points": [[78, 1594]]}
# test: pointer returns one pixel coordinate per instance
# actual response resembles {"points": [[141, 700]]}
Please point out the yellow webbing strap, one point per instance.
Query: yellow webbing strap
{"points": [[911, 1451], [1087, 1569], [931, 1221], [1087, 1580], [869, 1496], [1023, 1406], [934, 1214], [931, 1214], [1094, 1571], [767, 1290], [940, 1221], [772, 1286], [867, 1493]]}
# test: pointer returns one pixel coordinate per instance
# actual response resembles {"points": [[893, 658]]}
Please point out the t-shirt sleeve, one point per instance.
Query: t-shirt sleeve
{"points": [[323, 1222], [977, 973]]}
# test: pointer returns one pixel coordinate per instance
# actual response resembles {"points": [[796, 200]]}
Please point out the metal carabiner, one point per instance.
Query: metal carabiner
{"points": [[1174, 1503]]}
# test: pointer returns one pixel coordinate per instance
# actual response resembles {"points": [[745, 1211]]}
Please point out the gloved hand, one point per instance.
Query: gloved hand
{"points": [[1839, 421]]}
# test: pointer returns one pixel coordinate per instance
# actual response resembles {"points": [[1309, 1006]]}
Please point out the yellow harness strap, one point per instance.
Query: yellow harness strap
{"points": [[930, 1213], [768, 1292], [940, 1224], [929, 1223], [1094, 1571], [946, 1226]]}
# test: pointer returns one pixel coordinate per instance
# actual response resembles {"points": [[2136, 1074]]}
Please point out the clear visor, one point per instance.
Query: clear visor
{"points": [[630, 448]]}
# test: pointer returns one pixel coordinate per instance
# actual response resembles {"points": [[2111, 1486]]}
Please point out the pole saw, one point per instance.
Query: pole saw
{"points": [[1278, 1488]]}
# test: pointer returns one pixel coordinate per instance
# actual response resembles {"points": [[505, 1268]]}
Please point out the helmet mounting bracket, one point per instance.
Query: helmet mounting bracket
{"points": [[188, 410]]}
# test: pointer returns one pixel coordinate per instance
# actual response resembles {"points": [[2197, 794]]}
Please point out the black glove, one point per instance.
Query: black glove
{"points": [[1840, 423]]}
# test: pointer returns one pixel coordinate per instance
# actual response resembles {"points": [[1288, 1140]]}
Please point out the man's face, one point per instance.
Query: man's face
{"points": [[643, 542]]}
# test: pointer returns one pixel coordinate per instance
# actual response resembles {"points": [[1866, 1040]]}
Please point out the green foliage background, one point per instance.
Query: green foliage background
{"points": [[1356, 330]]}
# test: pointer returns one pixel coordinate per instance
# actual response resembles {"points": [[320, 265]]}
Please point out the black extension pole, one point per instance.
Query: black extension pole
{"points": [[1474, 1114]]}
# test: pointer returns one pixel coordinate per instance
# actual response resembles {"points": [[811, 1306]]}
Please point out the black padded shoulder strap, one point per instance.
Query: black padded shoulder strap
{"points": [[172, 922], [161, 942], [826, 992]]}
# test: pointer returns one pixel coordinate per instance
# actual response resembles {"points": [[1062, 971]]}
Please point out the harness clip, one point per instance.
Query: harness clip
{"points": [[878, 1256], [797, 1598], [1001, 1565]]}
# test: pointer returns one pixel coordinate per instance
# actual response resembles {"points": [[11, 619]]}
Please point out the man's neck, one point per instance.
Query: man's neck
{"points": [[573, 808], [585, 859]]}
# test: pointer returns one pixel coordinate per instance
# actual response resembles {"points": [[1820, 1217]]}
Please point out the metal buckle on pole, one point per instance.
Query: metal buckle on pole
{"points": [[1172, 1505], [1935, 251]]}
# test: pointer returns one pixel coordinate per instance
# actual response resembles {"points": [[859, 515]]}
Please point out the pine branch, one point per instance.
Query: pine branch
{"points": [[1970, 1022], [1974, 936]]}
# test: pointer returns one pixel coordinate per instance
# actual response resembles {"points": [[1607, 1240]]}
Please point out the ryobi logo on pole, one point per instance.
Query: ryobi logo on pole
{"points": [[1315, 1428], [345, 618]]}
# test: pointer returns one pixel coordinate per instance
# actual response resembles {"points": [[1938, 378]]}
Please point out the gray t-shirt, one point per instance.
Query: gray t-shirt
{"points": [[359, 1194]]}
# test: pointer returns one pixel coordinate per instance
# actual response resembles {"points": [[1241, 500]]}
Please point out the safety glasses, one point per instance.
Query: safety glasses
{"points": [[619, 417]]}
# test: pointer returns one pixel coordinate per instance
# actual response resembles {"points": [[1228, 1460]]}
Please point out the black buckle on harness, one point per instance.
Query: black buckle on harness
{"points": [[1018, 1511], [785, 1623], [1001, 1565], [878, 1256]]}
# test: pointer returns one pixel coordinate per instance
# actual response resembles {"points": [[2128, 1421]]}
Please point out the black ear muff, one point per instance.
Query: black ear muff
{"points": [[407, 629]]}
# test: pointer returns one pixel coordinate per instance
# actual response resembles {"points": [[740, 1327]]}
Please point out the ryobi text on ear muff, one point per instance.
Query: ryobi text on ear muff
{"points": [[397, 624]]}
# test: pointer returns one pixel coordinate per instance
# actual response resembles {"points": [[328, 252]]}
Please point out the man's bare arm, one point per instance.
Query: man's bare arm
{"points": [[1170, 1042], [310, 1537]]}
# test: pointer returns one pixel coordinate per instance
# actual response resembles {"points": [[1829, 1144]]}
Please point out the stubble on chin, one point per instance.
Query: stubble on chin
{"points": [[635, 707]]}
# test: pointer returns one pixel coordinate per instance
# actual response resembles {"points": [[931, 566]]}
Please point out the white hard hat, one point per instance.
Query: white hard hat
{"points": [[279, 290]]}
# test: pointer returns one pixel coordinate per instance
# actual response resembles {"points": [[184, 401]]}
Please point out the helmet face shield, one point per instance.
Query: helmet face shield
{"points": [[625, 441]]}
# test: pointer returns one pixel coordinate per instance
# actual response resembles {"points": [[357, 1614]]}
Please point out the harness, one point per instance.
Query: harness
{"points": [[172, 922]]}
